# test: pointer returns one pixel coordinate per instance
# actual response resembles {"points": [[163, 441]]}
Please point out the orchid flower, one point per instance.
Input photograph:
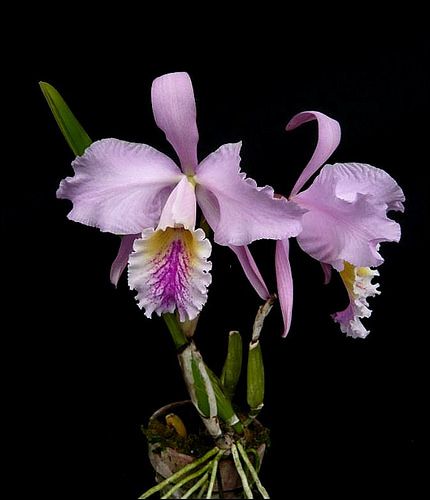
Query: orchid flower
{"points": [[137, 192], [345, 222]]}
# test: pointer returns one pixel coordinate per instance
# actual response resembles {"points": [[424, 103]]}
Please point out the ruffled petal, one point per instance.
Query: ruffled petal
{"points": [[284, 280], [251, 270], [237, 210], [357, 178], [121, 260], [169, 270], [180, 208], [174, 109], [358, 283], [328, 141], [119, 187], [343, 225]]}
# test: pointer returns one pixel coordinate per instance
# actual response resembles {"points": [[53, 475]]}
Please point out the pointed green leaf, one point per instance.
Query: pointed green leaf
{"points": [[75, 135]]}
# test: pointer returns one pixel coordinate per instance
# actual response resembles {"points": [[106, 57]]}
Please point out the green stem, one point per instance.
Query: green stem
{"points": [[241, 472], [213, 476], [200, 388], [253, 472], [180, 473], [224, 407], [186, 480], [175, 330]]}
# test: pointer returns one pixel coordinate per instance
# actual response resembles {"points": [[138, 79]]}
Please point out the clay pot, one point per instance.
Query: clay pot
{"points": [[169, 460]]}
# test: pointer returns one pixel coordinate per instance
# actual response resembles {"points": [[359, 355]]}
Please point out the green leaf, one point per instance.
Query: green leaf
{"points": [[75, 135], [233, 364]]}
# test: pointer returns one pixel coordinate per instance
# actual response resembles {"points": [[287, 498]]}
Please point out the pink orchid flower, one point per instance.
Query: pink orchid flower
{"points": [[345, 222], [137, 192]]}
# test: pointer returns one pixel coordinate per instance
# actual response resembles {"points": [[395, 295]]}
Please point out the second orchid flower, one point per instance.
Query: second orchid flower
{"points": [[344, 224]]}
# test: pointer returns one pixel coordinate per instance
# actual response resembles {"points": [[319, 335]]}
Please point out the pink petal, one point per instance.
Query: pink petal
{"points": [[251, 270], [344, 225], [174, 109], [284, 280], [365, 179], [326, 268], [119, 187], [170, 271], [180, 208], [121, 260], [328, 141], [238, 211]]}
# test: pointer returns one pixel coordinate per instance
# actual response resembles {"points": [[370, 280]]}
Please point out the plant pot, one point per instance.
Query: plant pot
{"points": [[167, 460]]}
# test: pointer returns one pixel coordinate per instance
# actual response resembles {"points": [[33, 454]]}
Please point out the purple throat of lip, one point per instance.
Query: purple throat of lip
{"points": [[170, 274]]}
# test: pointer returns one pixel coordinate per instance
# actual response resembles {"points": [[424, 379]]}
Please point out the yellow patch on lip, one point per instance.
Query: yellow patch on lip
{"points": [[348, 276], [365, 271], [159, 242]]}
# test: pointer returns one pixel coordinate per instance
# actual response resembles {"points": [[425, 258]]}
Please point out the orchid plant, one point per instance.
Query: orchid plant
{"points": [[168, 214]]}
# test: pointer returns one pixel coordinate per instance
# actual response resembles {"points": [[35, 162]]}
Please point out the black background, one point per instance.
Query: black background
{"points": [[84, 368]]}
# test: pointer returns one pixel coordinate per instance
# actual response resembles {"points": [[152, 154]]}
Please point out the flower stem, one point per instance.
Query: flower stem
{"points": [[178, 336], [241, 472], [253, 472], [180, 473]]}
